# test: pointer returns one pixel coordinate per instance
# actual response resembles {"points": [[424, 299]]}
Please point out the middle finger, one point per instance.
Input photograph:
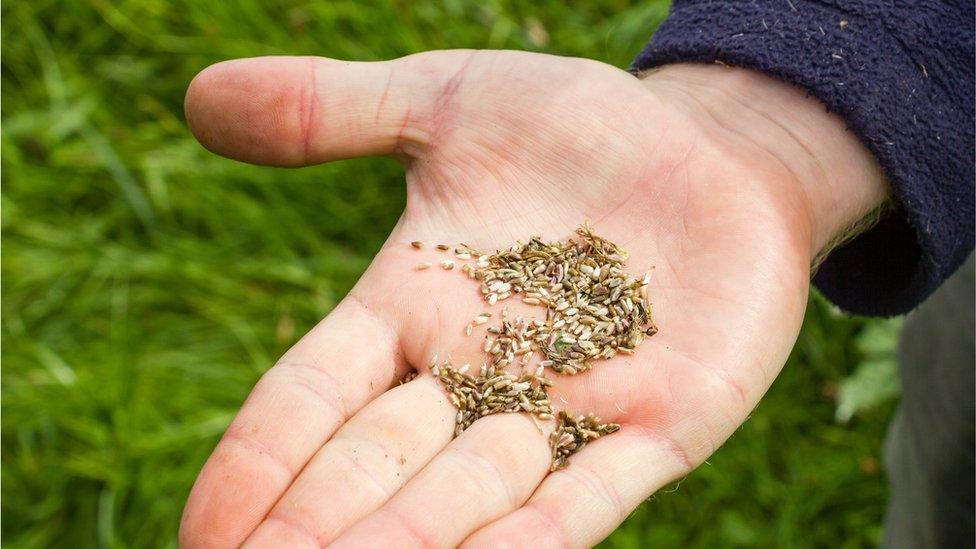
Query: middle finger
{"points": [[370, 458], [488, 471]]}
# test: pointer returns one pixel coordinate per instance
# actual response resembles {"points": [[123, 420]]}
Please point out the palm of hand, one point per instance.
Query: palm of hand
{"points": [[499, 146]]}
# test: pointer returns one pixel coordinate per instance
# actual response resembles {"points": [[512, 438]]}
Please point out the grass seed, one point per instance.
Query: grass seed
{"points": [[593, 311]]}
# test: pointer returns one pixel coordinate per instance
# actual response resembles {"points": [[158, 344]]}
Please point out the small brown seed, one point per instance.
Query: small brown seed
{"points": [[593, 311]]}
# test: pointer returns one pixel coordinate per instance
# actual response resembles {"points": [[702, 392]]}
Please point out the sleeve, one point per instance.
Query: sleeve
{"points": [[901, 75]]}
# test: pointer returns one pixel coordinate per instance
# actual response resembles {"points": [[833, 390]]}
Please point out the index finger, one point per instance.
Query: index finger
{"points": [[292, 411]]}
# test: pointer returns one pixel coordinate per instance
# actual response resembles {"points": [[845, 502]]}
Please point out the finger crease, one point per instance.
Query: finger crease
{"points": [[347, 445], [325, 386], [294, 526], [309, 104], [498, 477], [549, 522], [422, 538], [662, 439], [254, 445], [597, 485]]}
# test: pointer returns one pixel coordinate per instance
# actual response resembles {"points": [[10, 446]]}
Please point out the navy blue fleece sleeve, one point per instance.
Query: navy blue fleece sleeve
{"points": [[901, 75]]}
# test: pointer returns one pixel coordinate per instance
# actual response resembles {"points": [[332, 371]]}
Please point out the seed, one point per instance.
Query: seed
{"points": [[423, 266], [417, 244], [409, 377], [447, 264], [593, 311], [573, 433], [443, 247]]}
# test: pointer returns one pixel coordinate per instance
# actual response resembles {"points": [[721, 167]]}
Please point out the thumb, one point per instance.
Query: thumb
{"points": [[295, 111]]}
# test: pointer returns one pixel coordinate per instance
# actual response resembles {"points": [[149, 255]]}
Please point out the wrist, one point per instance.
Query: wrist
{"points": [[840, 181]]}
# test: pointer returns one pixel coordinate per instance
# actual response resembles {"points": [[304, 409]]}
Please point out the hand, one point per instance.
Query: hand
{"points": [[725, 182]]}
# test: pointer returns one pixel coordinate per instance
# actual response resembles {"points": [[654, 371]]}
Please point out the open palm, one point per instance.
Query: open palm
{"points": [[331, 449]]}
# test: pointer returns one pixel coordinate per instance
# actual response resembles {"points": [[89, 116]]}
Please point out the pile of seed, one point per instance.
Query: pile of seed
{"points": [[491, 392], [572, 434], [593, 311]]}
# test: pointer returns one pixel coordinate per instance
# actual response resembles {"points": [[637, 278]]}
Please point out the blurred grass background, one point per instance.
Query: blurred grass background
{"points": [[147, 284]]}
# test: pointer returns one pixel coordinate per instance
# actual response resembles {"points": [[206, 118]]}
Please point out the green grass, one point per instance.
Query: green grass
{"points": [[147, 284]]}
